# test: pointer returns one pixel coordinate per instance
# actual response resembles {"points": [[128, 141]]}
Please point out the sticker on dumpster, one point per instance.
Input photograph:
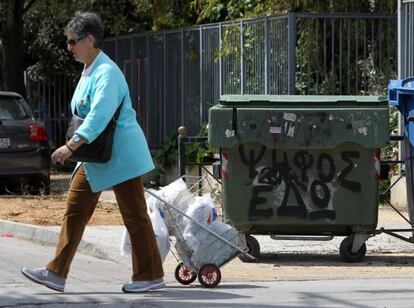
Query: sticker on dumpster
{"points": [[363, 130], [289, 129], [224, 161], [275, 129], [229, 133], [313, 191], [289, 117], [378, 164]]}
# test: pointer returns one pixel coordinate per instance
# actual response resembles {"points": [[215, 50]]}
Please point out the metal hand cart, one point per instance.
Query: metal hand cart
{"points": [[187, 271]]}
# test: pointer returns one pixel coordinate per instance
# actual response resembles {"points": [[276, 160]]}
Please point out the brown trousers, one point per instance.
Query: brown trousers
{"points": [[80, 204]]}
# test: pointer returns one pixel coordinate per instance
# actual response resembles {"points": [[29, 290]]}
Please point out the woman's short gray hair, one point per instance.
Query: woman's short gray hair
{"points": [[85, 23]]}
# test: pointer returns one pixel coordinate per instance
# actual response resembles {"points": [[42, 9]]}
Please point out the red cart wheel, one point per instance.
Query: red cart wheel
{"points": [[209, 275], [184, 275]]}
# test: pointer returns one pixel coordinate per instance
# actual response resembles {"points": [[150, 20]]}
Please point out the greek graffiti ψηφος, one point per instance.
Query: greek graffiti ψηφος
{"points": [[280, 172]]}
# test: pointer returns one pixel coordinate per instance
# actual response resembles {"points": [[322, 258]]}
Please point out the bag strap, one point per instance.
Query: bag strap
{"points": [[118, 111]]}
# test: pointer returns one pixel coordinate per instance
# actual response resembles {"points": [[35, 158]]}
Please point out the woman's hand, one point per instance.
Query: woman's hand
{"points": [[61, 154]]}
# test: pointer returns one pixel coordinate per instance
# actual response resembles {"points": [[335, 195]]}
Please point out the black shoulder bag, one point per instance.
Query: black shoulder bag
{"points": [[98, 151]]}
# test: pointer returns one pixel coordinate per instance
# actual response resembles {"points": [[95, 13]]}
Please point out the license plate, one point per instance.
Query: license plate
{"points": [[4, 143]]}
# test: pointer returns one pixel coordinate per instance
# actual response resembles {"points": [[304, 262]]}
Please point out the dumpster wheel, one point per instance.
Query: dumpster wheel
{"points": [[184, 275], [345, 251], [253, 249], [209, 275]]}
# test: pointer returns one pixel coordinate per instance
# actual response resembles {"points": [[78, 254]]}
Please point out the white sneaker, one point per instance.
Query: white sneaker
{"points": [[45, 277], [143, 286]]}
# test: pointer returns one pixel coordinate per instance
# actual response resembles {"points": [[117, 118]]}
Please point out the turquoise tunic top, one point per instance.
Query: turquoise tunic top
{"points": [[97, 96]]}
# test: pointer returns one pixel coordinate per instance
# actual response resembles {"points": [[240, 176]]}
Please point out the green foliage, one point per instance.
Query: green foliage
{"points": [[230, 51], [46, 51], [374, 80], [4, 7], [44, 38], [327, 48], [167, 156], [384, 193], [199, 152], [123, 16], [221, 10], [44, 42], [166, 14]]}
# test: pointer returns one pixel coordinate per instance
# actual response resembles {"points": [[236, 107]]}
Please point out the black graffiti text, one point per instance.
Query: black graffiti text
{"points": [[281, 171]]}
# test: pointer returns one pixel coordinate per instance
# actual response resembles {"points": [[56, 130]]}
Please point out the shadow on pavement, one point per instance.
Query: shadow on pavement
{"points": [[306, 259]]}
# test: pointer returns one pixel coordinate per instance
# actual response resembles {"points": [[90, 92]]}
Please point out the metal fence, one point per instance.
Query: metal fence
{"points": [[406, 39], [405, 56], [344, 53], [175, 76], [50, 101]]}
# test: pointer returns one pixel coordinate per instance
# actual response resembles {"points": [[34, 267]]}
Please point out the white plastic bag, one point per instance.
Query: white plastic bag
{"points": [[160, 230], [201, 210], [178, 195], [126, 246], [207, 248]]}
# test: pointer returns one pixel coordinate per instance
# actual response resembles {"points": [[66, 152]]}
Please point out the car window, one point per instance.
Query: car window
{"points": [[12, 109]]}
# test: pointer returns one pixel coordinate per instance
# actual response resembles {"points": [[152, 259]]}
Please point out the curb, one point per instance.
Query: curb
{"points": [[47, 236]]}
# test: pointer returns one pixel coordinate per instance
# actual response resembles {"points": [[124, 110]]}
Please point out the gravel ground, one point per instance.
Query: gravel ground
{"points": [[381, 243]]}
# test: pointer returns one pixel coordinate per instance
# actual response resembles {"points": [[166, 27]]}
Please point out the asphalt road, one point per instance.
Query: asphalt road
{"points": [[97, 283]]}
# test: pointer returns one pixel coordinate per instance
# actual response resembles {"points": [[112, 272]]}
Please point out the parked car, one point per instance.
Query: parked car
{"points": [[24, 148]]}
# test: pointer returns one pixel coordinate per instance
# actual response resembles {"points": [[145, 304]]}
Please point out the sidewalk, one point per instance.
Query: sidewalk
{"points": [[104, 241], [291, 260]]}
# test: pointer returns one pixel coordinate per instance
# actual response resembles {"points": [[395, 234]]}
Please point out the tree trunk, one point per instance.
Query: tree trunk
{"points": [[12, 51]]}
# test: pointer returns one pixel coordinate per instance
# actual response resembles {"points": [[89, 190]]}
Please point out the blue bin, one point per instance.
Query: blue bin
{"points": [[401, 95]]}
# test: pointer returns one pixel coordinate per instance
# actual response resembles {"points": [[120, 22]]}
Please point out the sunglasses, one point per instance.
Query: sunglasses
{"points": [[73, 42]]}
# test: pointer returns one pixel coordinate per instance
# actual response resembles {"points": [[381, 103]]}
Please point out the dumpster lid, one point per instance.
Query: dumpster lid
{"points": [[302, 100]]}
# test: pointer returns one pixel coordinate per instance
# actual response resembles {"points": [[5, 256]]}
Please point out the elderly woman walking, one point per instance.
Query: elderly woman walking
{"points": [[101, 89]]}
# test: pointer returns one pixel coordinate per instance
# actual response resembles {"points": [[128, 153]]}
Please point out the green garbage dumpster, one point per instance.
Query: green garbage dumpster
{"points": [[301, 165]]}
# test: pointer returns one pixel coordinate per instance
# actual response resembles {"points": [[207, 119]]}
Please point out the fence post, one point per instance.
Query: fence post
{"points": [[292, 53], [164, 81], [241, 59], [147, 87], [401, 36], [133, 76], [220, 60], [182, 133], [266, 55], [201, 75], [402, 55], [182, 77]]}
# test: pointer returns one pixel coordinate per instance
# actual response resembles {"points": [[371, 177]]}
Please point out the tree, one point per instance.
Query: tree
{"points": [[12, 52], [31, 34], [44, 24], [220, 10], [31, 31]]}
